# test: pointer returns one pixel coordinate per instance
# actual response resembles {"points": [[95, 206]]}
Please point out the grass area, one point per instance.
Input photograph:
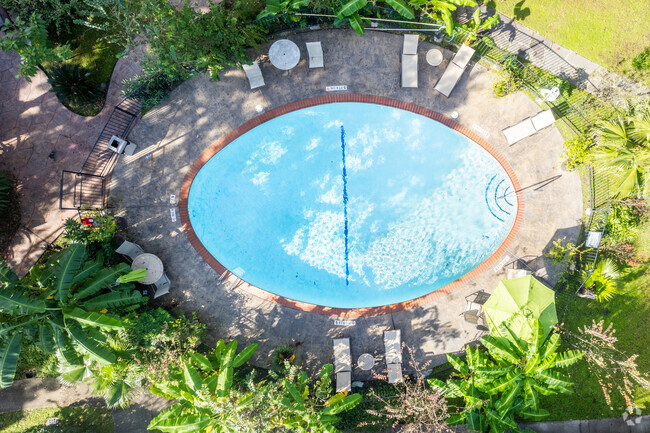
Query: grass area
{"points": [[90, 52], [85, 419], [608, 33], [628, 311]]}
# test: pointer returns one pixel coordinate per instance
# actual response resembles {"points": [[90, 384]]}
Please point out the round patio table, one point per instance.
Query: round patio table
{"points": [[434, 57], [152, 264], [284, 54], [366, 361]]}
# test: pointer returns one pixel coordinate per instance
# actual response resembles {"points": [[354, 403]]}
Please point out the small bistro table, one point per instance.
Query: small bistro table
{"points": [[152, 264], [366, 361], [434, 57], [284, 54]]}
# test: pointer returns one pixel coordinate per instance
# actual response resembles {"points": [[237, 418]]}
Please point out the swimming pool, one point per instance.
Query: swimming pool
{"points": [[351, 205]]}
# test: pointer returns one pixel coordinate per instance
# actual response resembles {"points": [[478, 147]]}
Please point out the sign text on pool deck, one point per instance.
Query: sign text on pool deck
{"points": [[345, 322], [335, 88]]}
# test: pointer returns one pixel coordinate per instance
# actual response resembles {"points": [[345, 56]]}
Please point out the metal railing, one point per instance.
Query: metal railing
{"points": [[87, 188]]}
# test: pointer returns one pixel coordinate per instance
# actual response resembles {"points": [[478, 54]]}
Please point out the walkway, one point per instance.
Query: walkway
{"points": [[175, 133], [40, 393], [39, 137]]}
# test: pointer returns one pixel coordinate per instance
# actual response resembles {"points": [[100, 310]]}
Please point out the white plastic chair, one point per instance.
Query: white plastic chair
{"points": [[130, 250], [162, 286], [254, 75]]}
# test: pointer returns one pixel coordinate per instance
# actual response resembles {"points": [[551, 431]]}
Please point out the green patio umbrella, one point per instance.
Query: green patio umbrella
{"points": [[517, 302]]}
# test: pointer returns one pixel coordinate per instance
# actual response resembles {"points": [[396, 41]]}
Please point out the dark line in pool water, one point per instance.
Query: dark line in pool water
{"points": [[345, 209]]}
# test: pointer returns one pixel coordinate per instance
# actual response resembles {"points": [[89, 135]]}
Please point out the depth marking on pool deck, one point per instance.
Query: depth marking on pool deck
{"points": [[345, 209]]}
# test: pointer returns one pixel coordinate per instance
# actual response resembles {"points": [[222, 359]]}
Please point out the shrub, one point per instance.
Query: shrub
{"points": [[153, 85], [624, 253], [101, 232], [10, 209], [73, 84], [624, 220], [508, 85], [576, 152], [641, 62], [284, 356], [56, 13]]}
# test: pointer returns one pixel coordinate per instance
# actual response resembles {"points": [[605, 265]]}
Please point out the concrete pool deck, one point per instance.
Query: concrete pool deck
{"points": [[175, 133]]}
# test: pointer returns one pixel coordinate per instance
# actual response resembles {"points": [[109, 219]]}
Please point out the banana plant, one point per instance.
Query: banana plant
{"points": [[62, 307], [442, 10], [203, 387], [274, 7], [305, 412], [476, 25], [505, 379], [603, 280]]}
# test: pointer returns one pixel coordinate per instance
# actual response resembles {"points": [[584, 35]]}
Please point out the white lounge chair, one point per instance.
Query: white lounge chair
{"points": [[593, 239], [162, 286], [454, 70], [528, 127], [410, 61], [393, 348], [315, 51], [254, 75], [342, 364], [130, 250]]}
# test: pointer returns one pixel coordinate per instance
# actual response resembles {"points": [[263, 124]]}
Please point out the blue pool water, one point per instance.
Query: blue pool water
{"points": [[351, 205]]}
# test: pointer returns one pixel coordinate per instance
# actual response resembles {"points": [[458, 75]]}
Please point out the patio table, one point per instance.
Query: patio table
{"points": [[284, 54], [152, 264], [434, 57], [366, 361]]}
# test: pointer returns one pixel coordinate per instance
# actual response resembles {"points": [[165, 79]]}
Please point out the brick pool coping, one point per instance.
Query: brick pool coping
{"points": [[329, 99]]}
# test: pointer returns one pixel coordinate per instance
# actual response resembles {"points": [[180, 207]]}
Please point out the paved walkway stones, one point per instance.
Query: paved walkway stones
{"points": [[176, 132]]}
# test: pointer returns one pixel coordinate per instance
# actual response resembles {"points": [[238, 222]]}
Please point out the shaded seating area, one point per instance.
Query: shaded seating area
{"points": [[133, 254], [528, 127], [254, 75], [410, 61], [342, 364], [473, 312], [454, 70], [315, 52], [393, 348]]}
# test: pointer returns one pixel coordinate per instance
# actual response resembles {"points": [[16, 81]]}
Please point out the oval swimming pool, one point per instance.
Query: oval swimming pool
{"points": [[351, 205]]}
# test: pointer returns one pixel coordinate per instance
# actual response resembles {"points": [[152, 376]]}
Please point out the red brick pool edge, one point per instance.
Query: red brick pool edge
{"points": [[329, 99]]}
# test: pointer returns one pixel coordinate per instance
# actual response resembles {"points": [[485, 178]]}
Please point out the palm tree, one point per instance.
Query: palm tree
{"points": [[506, 381], [603, 281], [61, 307], [624, 154]]}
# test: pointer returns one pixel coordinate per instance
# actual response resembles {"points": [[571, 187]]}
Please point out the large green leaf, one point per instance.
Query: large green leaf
{"points": [[118, 394], [273, 7], [14, 300], [46, 338], [89, 268], [65, 349], [167, 390], [402, 8], [75, 373], [171, 412], [92, 346], [455, 362], [445, 14], [134, 275], [192, 377], [43, 276], [351, 7], [91, 318], [224, 382], [557, 381], [533, 414], [114, 299], [6, 274], [344, 405], [244, 355], [182, 424], [567, 358], [9, 354], [101, 280], [229, 353], [500, 348], [201, 361], [355, 23], [67, 268]]}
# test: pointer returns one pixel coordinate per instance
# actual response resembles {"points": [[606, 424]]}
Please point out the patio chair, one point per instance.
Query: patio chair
{"points": [[130, 250], [528, 127], [393, 348], [342, 364], [410, 61], [473, 312], [162, 286], [315, 51], [454, 70], [475, 317], [254, 75]]}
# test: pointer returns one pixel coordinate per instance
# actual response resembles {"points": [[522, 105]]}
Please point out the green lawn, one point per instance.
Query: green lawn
{"points": [[607, 32], [87, 419], [628, 311]]}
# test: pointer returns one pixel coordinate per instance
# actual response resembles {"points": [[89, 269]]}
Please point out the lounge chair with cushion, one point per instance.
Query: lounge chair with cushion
{"points": [[342, 364], [315, 51], [393, 348], [254, 75], [410, 61], [454, 70], [528, 127], [162, 286], [130, 250]]}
